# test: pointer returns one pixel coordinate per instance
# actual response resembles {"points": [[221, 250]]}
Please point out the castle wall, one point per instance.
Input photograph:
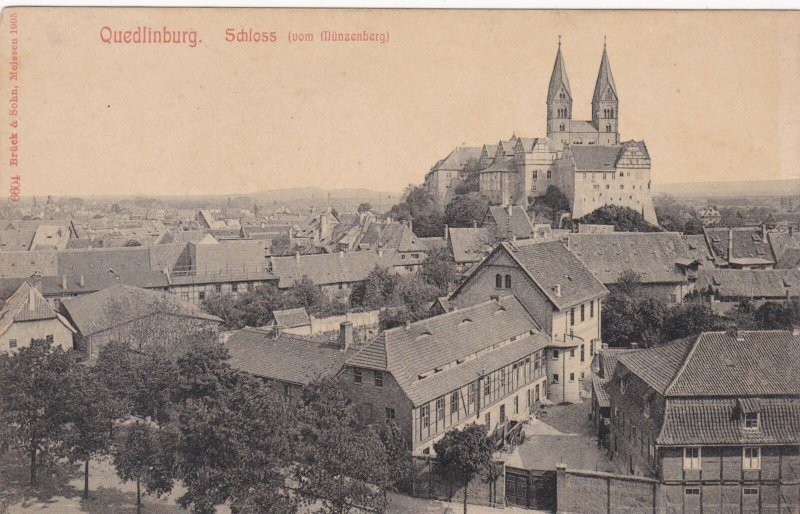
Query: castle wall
{"points": [[629, 187]]}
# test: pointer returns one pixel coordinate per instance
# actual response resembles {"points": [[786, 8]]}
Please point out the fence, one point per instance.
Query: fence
{"points": [[427, 483]]}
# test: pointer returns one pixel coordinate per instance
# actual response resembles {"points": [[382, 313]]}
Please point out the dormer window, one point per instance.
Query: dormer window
{"points": [[752, 420], [622, 384]]}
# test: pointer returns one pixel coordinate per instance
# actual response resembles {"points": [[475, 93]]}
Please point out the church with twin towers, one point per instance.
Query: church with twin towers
{"points": [[586, 159]]}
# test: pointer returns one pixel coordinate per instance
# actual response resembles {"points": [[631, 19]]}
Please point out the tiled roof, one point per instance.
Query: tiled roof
{"points": [[696, 421], [105, 267], [91, 312], [470, 244], [757, 363], [786, 248], [16, 239], [23, 264], [505, 165], [697, 248], [26, 304], [742, 283], [576, 126], [517, 224], [441, 341], [344, 267], [291, 318], [285, 358], [550, 264], [657, 366], [456, 160], [594, 157], [653, 255], [433, 243], [789, 260], [749, 245], [606, 361]]}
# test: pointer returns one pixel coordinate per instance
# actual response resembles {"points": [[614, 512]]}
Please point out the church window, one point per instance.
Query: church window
{"points": [[608, 95], [608, 128], [535, 174], [508, 281], [562, 96], [612, 112], [550, 174], [561, 127]]}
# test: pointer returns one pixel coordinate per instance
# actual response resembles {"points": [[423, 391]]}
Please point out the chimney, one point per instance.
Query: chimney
{"points": [[791, 230], [495, 297], [447, 229], [509, 207], [634, 346], [82, 281], [408, 325], [31, 299], [345, 335], [764, 232], [297, 257], [558, 290], [474, 223], [341, 254], [411, 225], [63, 282]]}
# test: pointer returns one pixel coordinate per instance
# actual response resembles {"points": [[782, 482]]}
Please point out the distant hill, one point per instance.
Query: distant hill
{"points": [[727, 189]]}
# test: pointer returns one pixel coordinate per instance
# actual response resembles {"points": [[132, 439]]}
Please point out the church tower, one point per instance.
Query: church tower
{"points": [[605, 104], [559, 104]]}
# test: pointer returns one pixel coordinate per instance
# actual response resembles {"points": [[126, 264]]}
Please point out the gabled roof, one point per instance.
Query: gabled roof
{"points": [[653, 255], [504, 165], [749, 246], [470, 244], [558, 78], [605, 361], [286, 358], [695, 421], [657, 366], [291, 318], [697, 249], [26, 304], [605, 80], [458, 344], [91, 313], [550, 264], [593, 157], [458, 158], [325, 268], [754, 363], [516, 224], [744, 283]]}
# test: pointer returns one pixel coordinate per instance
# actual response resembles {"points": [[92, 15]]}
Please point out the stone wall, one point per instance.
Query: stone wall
{"points": [[590, 492]]}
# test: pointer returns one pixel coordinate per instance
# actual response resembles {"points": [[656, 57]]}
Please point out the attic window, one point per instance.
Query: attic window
{"points": [[756, 237], [111, 271], [424, 334], [423, 375], [466, 320], [751, 420]]}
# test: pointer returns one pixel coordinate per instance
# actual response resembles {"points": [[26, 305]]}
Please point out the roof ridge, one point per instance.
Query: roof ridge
{"points": [[684, 364]]}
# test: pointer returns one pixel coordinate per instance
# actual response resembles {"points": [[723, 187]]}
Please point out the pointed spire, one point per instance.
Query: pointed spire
{"points": [[604, 77], [558, 77]]}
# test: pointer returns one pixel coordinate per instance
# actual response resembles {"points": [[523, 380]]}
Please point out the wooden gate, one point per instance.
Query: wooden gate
{"points": [[531, 489]]}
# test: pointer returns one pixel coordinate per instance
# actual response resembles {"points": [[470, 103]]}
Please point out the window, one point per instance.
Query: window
{"points": [[49, 338], [234, 287], [357, 375], [201, 295], [549, 174], [12, 343], [572, 353], [583, 312], [692, 491], [535, 174], [378, 378], [555, 378], [502, 414], [440, 408], [454, 403], [425, 416], [516, 404], [498, 281], [555, 354], [488, 420], [508, 281], [572, 377], [608, 128], [751, 420], [691, 458], [340, 285], [426, 451], [572, 316], [751, 458], [748, 491], [287, 390], [185, 296], [591, 309], [622, 384], [583, 358], [218, 288], [487, 387], [646, 411], [390, 415]]}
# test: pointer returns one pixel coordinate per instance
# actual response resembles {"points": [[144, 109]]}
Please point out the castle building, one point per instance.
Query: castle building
{"points": [[585, 159]]}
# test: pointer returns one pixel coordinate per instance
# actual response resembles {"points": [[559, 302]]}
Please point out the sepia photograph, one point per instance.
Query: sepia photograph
{"points": [[426, 261]]}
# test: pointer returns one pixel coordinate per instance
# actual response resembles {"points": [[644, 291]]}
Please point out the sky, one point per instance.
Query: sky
{"points": [[713, 95]]}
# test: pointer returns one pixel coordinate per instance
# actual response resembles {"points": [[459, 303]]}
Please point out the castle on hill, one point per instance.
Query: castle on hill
{"points": [[585, 159]]}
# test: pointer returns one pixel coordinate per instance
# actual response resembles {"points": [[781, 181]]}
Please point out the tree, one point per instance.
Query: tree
{"points": [[398, 455], [146, 457], [690, 319], [471, 178], [91, 413], [35, 395], [775, 316], [341, 464], [281, 245], [548, 206], [624, 219], [676, 217], [439, 270], [131, 243], [115, 369], [234, 441], [419, 206], [463, 455], [464, 210], [364, 207]]}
